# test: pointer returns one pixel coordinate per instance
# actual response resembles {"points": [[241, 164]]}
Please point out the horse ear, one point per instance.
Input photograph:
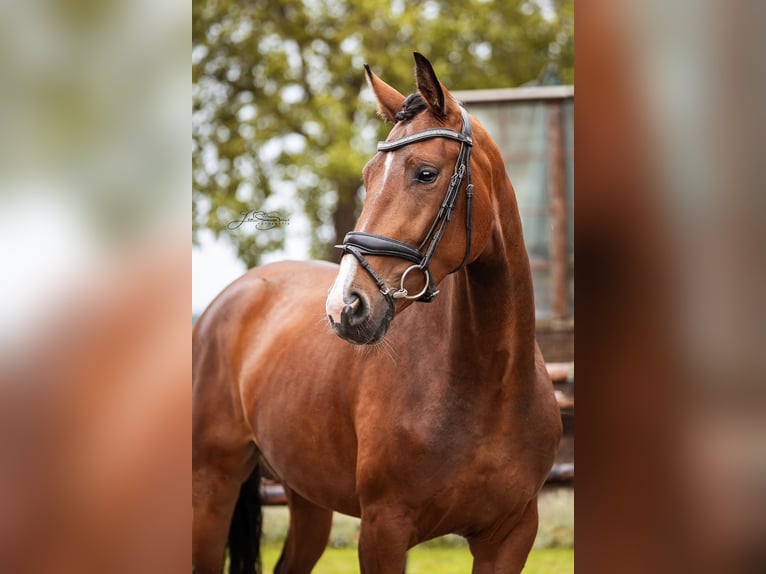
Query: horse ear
{"points": [[390, 101], [431, 89]]}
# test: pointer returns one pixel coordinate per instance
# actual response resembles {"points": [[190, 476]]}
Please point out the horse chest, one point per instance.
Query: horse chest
{"points": [[441, 439]]}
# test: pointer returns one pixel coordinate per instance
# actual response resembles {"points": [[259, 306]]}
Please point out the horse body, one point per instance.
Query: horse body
{"points": [[446, 425]]}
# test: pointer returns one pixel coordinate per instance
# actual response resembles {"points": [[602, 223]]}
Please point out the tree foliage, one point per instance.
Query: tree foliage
{"points": [[281, 112]]}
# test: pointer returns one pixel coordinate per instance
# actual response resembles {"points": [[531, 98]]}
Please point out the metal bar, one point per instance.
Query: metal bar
{"points": [[524, 93], [557, 202], [561, 473], [274, 494]]}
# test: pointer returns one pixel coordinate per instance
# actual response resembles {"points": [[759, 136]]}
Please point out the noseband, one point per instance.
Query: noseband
{"points": [[359, 243]]}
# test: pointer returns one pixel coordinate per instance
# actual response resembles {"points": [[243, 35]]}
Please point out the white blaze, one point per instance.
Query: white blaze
{"points": [[387, 165], [346, 273]]}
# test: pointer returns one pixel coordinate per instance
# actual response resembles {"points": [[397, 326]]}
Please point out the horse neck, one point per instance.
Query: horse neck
{"points": [[492, 307]]}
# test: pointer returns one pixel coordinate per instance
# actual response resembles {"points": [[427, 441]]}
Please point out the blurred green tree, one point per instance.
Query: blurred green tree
{"points": [[281, 114]]}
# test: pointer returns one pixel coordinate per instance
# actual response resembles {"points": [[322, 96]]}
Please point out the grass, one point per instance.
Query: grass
{"points": [[429, 560], [556, 527], [552, 553]]}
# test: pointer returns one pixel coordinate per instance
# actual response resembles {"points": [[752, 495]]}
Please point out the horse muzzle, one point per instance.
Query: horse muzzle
{"points": [[356, 316], [358, 323]]}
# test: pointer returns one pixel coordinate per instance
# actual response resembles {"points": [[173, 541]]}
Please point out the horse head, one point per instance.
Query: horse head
{"points": [[427, 211]]}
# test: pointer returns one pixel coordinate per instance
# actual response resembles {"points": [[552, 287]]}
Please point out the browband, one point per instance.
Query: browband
{"points": [[425, 135]]}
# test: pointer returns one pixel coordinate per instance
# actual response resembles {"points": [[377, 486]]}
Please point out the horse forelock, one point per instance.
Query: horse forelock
{"points": [[412, 106]]}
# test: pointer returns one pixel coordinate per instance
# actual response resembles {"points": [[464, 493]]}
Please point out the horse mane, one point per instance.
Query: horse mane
{"points": [[412, 106]]}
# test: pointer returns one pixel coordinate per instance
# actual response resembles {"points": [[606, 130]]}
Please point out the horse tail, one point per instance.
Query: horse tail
{"points": [[245, 530]]}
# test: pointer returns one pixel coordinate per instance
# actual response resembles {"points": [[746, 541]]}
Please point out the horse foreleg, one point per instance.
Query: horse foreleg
{"points": [[307, 536], [383, 541], [215, 491], [213, 500], [509, 554]]}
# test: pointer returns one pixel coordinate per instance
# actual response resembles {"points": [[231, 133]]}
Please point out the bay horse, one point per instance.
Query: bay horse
{"points": [[443, 423]]}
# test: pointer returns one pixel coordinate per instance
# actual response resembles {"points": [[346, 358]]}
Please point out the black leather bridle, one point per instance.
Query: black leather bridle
{"points": [[359, 243]]}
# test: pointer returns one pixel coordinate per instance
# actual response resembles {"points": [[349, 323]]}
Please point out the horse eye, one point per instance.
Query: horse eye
{"points": [[426, 176]]}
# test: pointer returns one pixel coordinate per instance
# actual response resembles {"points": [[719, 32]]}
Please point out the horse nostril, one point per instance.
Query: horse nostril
{"points": [[355, 311], [356, 300]]}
